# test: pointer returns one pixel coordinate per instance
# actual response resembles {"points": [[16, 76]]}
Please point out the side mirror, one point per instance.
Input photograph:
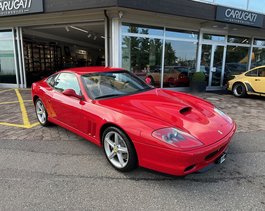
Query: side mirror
{"points": [[71, 93]]}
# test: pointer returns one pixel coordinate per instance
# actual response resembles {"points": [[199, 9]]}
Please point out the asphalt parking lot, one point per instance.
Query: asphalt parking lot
{"points": [[53, 169]]}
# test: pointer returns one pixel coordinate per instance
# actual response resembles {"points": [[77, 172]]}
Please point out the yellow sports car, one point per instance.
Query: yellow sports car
{"points": [[251, 82]]}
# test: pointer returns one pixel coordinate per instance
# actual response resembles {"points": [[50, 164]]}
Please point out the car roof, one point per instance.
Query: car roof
{"points": [[85, 70], [262, 66], [254, 68]]}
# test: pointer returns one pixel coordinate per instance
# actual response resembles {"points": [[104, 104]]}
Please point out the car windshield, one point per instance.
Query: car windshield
{"points": [[112, 84]]}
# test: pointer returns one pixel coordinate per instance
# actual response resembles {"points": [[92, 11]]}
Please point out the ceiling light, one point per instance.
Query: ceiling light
{"points": [[95, 37], [67, 29], [79, 29], [102, 37], [245, 40], [215, 26], [89, 35]]}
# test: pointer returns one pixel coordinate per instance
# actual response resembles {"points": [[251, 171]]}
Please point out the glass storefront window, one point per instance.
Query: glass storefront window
{"points": [[236, 60], [259, 42], [181, 34], [7, 61], [141, 29], [143, 56], [214, 37], [258, 57], [240, 40], [180, 61]]}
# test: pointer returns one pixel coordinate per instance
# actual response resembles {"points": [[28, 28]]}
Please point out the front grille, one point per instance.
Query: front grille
{"points": [[211, 155]]}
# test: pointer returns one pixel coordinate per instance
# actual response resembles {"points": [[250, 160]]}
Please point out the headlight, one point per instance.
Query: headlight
{"points": [[177, 138], [226, 117]]}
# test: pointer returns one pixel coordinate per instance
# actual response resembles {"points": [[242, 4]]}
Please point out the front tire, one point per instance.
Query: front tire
{"points": [[41, 113], [119, 150], [239, 90]]}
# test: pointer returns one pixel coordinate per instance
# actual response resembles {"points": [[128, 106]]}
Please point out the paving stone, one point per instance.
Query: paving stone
{"points": [[11, 113]]}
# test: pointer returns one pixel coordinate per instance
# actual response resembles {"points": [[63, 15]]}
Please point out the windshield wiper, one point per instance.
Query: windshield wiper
{"points": [[106, 96]]}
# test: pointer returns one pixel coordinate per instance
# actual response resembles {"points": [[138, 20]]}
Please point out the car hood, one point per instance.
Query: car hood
{"points": [[174, 109]]}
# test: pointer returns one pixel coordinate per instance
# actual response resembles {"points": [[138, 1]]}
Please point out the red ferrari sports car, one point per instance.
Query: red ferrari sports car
{"points": [[136, 124]]}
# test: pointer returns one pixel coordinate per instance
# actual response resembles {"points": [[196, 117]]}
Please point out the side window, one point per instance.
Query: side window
{"points": [[67, 81], [261, 72], [51, 80], [253, 73]]}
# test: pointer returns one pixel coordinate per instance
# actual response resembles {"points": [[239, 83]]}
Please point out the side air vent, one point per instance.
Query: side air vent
{"points": [[185, 110], [91, 128]]}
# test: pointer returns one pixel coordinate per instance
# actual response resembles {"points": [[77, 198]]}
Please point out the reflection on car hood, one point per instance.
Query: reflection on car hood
{"points": [[179, 110]]}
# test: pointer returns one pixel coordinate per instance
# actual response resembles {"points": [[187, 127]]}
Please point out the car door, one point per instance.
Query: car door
{"points": [[67, 109], [260, 81], [256, 79]]}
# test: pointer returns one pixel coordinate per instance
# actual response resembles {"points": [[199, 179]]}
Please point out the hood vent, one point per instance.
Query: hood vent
{"points": [[185, 110]]}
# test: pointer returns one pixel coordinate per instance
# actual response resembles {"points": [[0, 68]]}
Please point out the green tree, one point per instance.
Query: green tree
{"points": [[170, 57]]}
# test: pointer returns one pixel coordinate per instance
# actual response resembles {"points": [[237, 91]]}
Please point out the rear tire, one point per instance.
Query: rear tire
{"points": [[41, 113], [119, 150], [239, 90]]}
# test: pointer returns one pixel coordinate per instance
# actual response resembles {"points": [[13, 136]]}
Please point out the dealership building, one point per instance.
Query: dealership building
{"points": [[165, 40]]}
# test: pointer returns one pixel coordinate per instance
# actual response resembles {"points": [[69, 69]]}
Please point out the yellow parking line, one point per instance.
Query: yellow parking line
{"points": [[13, 125], [6, 90], [17, 125], [25, 88], [23, 109], [26, 123], [12, 102], [8, 102], [33, 125]]}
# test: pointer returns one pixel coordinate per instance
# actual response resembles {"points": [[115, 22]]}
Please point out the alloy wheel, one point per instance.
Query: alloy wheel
{"points": [[116, 149], [239, 90], [41, 113]]}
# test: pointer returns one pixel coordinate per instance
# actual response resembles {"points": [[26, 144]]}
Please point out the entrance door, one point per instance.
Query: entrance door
{"points": [[212, 64]]}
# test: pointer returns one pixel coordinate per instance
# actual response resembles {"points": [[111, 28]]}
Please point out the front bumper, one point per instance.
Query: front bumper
{"points": [[181, 163], [229, 85]]}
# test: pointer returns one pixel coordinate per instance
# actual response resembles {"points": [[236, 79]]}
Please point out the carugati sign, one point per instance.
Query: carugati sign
{"points": [[20, 7], [238, 16]]}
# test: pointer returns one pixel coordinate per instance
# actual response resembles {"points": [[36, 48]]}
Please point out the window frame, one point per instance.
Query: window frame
{"points": [[262, 69], [55, 75], [246, 74], [58, 76]]}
